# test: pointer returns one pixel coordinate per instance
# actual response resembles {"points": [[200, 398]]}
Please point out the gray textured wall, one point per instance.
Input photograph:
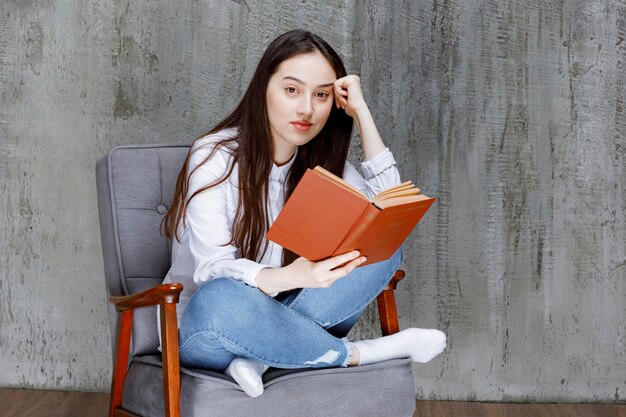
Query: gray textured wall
{"points": [[510, 112]]}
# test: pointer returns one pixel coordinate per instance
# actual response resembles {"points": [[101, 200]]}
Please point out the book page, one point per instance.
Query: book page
{"points": [[403, 193], [399, 200], [407, 185]]}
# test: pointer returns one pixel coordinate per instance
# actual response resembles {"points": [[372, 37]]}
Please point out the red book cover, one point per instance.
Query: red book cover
{"points": [[323, 218]]}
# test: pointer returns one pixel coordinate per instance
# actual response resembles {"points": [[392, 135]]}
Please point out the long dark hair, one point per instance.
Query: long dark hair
{"points": [[252, 149]]}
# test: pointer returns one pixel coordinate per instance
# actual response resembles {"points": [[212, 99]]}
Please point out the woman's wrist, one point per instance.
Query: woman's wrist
{"points": [[361, 112], [268, 280]]}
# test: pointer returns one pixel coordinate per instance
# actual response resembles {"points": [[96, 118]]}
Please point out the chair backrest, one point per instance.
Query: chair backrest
{"points": [[135, 186]]}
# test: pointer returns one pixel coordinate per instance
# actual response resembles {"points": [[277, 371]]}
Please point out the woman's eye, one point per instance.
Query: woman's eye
{"points": [[322, 95], [290, 90]]}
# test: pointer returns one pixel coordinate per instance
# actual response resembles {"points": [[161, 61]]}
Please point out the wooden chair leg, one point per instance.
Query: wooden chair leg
{"points": [[171, 366], [387, 311], [121, 361]]}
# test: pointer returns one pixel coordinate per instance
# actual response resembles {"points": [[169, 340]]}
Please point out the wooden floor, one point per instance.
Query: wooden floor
{"points": [[461, 409], [34, 403]]}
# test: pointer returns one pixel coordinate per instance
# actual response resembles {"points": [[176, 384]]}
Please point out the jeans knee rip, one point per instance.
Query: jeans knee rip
{"points": [[328, 357]]}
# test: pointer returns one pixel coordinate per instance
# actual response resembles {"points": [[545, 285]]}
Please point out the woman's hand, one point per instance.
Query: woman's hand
{"points": [[303, 273], [348, 94]]}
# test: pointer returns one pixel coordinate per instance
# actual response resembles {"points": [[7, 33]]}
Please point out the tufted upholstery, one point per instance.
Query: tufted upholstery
{"points": [[135, 186]]}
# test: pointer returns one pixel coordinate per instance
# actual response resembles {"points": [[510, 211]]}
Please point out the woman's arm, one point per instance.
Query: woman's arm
{"points": [[348, 96], [379, 166], [303, 273], [206, 239]]}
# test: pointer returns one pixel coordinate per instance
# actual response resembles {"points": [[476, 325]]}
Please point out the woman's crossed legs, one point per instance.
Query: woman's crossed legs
{"points": [[226, 319]]}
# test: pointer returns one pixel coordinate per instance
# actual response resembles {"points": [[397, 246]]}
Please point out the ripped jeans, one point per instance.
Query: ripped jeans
{"points": [[302, 328]]}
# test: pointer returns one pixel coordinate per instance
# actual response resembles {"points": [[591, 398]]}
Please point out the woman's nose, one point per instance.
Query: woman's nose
{"points": [[305, 107]]}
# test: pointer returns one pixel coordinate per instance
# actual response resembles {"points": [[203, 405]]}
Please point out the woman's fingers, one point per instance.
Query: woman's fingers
{"points": [[325, 273], [343, 84], [333, 275], [347, 268], [335, 261], [341, 99], [348, 93], [341, 87], [341, 265]]}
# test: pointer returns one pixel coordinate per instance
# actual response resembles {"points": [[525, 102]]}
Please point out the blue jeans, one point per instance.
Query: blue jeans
{"points": [[303, 328]]}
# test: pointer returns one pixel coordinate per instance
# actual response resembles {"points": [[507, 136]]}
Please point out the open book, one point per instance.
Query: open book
{"points": [[325, 216]]}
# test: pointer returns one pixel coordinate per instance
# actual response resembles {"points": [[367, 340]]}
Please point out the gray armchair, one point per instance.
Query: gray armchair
{"points": [[135, 185]]}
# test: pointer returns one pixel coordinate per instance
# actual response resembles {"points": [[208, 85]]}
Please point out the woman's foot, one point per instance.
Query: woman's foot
{"points": [[421, 345], [247, 373]]}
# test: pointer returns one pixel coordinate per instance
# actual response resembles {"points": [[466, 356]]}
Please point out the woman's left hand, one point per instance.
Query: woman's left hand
{"points": [[348, 94], [349, 97]]}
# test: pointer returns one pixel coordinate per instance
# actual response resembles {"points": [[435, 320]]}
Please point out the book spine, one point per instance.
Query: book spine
{"points": [[350, 242]]}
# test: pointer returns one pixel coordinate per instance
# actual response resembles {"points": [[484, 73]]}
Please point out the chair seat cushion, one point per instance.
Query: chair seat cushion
{"points": [[377, 390]]}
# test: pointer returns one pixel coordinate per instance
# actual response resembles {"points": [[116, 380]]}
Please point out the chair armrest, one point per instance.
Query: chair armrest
{"points": [[397, 277], [167, 296], [161, 294]]}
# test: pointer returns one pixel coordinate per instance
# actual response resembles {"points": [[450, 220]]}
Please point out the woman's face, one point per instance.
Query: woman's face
{"points": [[299, 101]]}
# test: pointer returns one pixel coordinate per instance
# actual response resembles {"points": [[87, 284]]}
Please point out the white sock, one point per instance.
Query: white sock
{"points": [[421, 345], [247, 373]]}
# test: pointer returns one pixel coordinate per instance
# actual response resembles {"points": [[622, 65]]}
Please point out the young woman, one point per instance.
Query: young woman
{"points": [[247, 303]]}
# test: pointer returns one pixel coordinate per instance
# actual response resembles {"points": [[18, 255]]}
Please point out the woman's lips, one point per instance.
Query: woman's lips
{"points": [[302, 125]]}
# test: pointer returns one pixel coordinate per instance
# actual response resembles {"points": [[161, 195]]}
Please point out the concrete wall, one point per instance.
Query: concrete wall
{"points": [[510, 112]]}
